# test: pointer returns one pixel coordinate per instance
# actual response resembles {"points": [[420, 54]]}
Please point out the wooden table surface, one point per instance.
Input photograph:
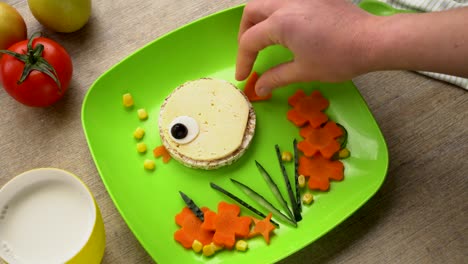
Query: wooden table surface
{"points": [[420, 214]]}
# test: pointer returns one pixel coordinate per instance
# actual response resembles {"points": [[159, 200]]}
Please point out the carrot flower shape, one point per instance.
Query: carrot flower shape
{"points": [[320, 170], [227, 224], [191, 228], [307, 109], [322, 139]]}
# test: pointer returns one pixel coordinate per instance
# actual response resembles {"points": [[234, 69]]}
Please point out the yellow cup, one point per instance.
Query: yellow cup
{"points": [[49, 216]]}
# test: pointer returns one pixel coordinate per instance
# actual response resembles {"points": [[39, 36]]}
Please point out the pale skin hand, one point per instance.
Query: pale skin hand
{"points": [[333, 40]]}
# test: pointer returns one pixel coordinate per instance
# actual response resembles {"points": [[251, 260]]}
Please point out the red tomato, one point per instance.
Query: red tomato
{"points": [[38, 89]]}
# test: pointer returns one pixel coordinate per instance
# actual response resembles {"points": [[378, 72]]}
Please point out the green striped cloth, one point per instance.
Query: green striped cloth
{"points": [[430, 6]]}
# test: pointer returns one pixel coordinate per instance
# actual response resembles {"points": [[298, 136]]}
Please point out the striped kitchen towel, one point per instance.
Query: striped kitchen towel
{"points": [[430, 6]]}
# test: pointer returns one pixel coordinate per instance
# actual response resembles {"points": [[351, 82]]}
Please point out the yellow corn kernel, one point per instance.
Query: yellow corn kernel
{"points": [[142, 114], [208, 250], [127, 100], [344, 153], [197, 246], [241, 245], [301, 180], [139, 133], [286, 156], [216, 247], [307, 198], [149, 164], [141, 147]]}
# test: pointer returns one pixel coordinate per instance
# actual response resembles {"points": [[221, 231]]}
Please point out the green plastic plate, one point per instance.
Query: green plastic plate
{"points": [[148, 201], [381, 9]]}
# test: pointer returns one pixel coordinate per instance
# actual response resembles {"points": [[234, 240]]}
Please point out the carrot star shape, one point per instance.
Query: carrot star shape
{"points": [[322, 139], [320, 170], [227, 224], [307, 109], [161, 151], [263, 227], [191, 228]]}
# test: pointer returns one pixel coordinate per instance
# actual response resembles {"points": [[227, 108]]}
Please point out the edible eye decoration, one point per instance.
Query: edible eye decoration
{"points": [[183, 129]]}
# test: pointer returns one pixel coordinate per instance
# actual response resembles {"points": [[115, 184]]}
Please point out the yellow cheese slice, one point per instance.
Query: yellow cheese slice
{"points": [[220, 110]]}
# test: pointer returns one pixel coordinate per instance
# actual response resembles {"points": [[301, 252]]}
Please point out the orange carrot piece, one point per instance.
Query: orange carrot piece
{"points": [[161, 151], [308, 108], [296, 97], [314, 119], [330, 128], [249, 89], [227, 224], [320, 170], [319, 183], [314, 102], [322, 139], [263, 227], [191, 228], [297, 118]]}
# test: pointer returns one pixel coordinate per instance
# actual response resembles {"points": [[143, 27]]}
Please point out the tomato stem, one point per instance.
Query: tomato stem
{"points": [[33, 60]]}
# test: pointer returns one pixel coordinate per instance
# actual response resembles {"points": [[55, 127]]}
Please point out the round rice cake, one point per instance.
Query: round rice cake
{"points": [[206, 123]]}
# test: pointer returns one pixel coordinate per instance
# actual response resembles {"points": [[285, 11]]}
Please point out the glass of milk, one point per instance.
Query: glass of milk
{"points": [[49, 216]]}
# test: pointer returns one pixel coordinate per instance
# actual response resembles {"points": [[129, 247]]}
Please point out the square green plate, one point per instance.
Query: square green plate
{"points": [[148, 201]]}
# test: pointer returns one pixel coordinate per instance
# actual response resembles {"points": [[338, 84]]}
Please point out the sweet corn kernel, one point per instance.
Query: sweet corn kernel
{"points": [[216, 247], [142, 114], [139, 133], [241, 245], [127, 100], [197, 246], [301, 180], [344, 153], [141, 147], [307, 198], [149, 164], [286, 156], [208, 250]]}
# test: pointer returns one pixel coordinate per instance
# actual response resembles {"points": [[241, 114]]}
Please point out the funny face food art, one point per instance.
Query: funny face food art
{"points": [[206, 123]]}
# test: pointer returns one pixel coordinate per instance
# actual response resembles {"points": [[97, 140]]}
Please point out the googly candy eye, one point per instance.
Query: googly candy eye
{"points": [[183, 129], [179, 131]]}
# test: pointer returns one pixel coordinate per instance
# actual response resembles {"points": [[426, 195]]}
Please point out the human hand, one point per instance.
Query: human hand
{"points": [[327, 38]]}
